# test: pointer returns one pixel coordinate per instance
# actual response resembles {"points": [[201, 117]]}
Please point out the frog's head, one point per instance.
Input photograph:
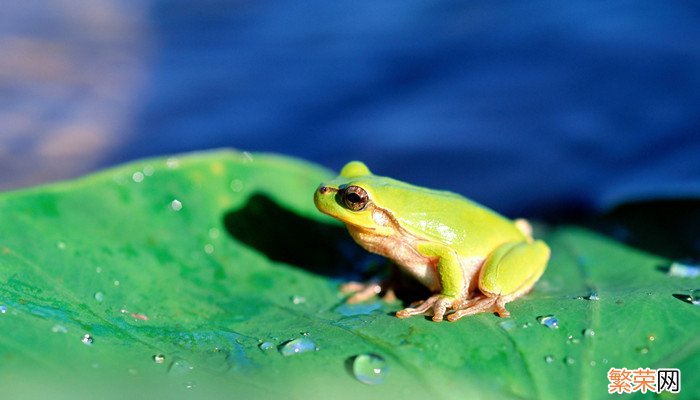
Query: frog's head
{"points": [[350, 199]]}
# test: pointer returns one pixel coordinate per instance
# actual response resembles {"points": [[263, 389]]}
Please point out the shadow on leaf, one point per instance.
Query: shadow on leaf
{"points": [[286, 237]]}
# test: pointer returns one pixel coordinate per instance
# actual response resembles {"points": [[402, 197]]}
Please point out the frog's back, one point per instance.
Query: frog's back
{"points": [[446, 217]]}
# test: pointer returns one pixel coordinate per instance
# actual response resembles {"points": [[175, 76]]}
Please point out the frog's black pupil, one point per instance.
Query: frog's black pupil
{"points": [[354, 198]]}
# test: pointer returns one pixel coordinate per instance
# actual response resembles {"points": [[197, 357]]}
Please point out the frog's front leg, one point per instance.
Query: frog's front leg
{"points": [[453, 286], [362, 291], [508, 272]]}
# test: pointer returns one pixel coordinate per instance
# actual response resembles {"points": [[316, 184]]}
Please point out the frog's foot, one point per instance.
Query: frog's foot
{"points": [[360, 292], [435, 305], [479, 305]]}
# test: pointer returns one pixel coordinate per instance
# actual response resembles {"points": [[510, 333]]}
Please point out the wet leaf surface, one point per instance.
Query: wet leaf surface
{"points": [[212, 275]]}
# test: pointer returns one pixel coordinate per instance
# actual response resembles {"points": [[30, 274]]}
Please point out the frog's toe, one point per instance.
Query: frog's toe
{"points": [[481, 305], [435, 306], [440, 307], [360, 291], [421, 308]]}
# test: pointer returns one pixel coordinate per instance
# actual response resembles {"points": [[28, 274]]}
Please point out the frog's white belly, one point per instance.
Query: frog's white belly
{"points": [[402, 251]]}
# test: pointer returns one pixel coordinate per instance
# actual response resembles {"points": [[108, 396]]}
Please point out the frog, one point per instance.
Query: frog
{"points": [[472, 259]]}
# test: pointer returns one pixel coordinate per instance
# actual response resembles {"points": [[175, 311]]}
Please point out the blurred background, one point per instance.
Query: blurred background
{"points": [[539, 108]]}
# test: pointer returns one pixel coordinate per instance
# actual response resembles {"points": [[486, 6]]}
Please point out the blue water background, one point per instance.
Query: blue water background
{"points": [[534, 108]]}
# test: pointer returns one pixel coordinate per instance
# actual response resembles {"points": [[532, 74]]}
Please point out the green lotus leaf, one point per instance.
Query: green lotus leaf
{"points": [[212, 276]]}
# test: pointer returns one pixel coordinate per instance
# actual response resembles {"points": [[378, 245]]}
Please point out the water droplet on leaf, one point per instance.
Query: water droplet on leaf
{"points": [[99, 296], [87, 339], [180, 367], [593, 296], [159, 359], [370, 369], [684, 270], [549, 359], [176, 205], [209, 248], [507, 325], [572, 340], [264, 346], [297, 346], [550, 321], [693, 297], [236, 185]]}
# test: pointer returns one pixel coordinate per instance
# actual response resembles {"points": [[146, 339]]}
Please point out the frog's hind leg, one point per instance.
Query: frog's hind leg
{"points": [[509, 272]]}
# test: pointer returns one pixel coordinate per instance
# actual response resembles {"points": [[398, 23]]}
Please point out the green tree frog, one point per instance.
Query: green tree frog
{"points": [[471, 258]]}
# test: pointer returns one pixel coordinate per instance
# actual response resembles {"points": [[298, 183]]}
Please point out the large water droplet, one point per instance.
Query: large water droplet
{"points": [[588, 333], [370, 369], [684, 270], [180, 367], [87, 339], [297, 346], [550, 321], [693, 297], [568, 360], [297, 299], [549, 359], [642, 350], [99, 296], [61, 245], [3, 309]]}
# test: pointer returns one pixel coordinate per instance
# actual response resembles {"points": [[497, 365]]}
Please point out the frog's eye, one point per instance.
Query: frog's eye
{"points": [[355, 198]]}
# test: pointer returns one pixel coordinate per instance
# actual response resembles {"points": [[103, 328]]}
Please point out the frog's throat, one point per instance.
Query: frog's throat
{"points": [[398, 245]]}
